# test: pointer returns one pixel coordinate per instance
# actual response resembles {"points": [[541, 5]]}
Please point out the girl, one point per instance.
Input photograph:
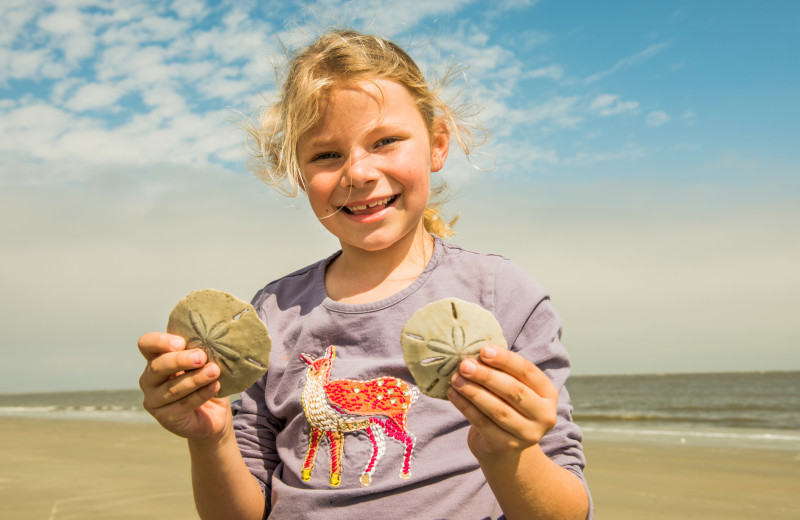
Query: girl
{"points": [[358, 129]]}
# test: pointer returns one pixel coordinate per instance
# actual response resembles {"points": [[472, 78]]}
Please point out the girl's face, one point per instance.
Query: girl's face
{"points": [[366, 165]]}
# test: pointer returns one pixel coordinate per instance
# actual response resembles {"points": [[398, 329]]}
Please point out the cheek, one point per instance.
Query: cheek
{"points": [[317, 199]]}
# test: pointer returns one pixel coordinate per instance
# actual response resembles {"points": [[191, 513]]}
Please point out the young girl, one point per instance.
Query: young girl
{"points": [[358, 130]]}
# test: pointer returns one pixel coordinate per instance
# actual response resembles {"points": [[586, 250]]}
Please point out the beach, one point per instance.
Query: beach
{"points": [[54, 469], [79, 469]]}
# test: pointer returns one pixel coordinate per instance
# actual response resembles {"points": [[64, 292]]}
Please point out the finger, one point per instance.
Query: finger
{"points": [[517, 419], [183, 387], [176, 416], [154, 344], [488, 428], [520, 368], [169, 365], [500, 385]]}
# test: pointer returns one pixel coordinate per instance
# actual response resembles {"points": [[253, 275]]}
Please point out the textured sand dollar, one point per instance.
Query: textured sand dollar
{"points": [[442, 333], [230, 332]]}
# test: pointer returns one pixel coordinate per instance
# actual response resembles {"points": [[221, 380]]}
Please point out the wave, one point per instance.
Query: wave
{"points": [[85, 412], [10, 410], [791, 422], [734, 435]]}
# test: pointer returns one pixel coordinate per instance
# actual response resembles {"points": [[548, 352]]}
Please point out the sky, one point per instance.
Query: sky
{"points": [[643, 166]]}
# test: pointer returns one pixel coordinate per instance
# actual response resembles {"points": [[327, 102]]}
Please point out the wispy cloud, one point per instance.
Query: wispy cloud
{"points": [[589, 158], [611, 105], [627, 62], [554, 72], [657, 118], [129, 82]]}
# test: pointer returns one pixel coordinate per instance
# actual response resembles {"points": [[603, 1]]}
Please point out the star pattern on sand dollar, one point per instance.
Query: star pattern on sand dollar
{"points": [[209, 340], [452, 350]]}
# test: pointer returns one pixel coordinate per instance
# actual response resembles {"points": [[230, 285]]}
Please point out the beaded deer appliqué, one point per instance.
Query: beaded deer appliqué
{"points": [[377, 407]]}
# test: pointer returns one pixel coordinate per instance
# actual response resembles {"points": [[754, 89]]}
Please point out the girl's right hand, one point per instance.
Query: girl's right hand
{"points": [[179, 388]]}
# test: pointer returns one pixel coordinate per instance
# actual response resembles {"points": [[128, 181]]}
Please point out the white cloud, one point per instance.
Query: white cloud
{"points": [[657, 118], [559, 111], [523, 156], [33, 64], [189, 8], [93, 96], [610, 105], [62, 21], [15, 15], [508, 120]]}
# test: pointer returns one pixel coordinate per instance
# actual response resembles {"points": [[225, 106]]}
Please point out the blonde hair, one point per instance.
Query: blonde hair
{"points": [[346, 56]]}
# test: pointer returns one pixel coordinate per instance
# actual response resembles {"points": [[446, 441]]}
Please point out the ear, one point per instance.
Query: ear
{"points": [[440, 146]]}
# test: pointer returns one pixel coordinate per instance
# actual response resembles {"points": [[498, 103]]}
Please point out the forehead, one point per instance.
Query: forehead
{"points": [[364, 104]]}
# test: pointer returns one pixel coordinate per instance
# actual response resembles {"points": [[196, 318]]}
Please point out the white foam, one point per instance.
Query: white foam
{"points": [[733, 435]]}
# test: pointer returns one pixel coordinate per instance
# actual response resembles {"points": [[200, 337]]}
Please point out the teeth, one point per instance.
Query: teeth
{"points": [[370, 205]]}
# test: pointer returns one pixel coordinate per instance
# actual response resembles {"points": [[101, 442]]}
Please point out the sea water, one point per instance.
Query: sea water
{"points": [[107, 405], [750, 409]]}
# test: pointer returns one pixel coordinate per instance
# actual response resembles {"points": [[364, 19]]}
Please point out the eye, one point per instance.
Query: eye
{"points": [[387, 141], [325, 156]]}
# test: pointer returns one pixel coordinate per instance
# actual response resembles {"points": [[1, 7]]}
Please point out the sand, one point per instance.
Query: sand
{"points": [[60, 470], [650, 481]]}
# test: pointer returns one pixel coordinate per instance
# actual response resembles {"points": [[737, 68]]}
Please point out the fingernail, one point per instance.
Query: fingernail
{"points": [[197, 357], [469, 367], [458, 381], [210, 370], [489, 352], [453, 395]]}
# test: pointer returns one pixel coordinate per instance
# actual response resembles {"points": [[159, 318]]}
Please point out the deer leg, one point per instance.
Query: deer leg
{"points": [[336, 442], [406, 438], [376, 437], [313, 444]]}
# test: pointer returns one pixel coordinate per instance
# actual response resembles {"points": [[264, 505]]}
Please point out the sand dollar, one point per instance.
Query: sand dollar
{"points": [[442, 333], [230, 332]]}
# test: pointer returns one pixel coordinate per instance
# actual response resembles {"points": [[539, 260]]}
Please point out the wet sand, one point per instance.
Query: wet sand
{"points": [[61, 470], [650, 481]]}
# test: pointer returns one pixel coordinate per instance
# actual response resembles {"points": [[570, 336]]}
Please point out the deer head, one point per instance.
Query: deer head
{"points": [[321, 366]]}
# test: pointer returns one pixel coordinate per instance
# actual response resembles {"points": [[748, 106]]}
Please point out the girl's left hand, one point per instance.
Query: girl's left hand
{"points": [[508, 400]]}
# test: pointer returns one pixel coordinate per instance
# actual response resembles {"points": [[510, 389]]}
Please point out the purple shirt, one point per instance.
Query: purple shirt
{"points": [[426, 440]]}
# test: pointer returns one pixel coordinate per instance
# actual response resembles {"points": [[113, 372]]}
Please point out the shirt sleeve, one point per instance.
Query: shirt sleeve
{"points": [[533, 329], [256, 430]]}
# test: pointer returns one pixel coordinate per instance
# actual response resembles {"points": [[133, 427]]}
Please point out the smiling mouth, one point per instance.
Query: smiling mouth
{"points": [[372, 207]]}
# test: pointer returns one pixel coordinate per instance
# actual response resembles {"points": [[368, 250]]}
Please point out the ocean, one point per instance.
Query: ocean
{"points": [[749, 409]]}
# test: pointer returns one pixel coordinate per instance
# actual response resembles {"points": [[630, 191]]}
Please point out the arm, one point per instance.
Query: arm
{"points": [[223, 486], [511, 405], [179, 388]]}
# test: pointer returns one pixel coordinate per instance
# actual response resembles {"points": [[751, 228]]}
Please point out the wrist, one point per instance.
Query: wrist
{"points": [[511, 460], [213, 443]]}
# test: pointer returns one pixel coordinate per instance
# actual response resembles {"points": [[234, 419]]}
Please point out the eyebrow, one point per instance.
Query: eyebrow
{"points": [[324, 141], [321, 142]]}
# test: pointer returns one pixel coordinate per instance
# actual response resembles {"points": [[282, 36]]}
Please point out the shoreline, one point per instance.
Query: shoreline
{"points": [[54, 469]]}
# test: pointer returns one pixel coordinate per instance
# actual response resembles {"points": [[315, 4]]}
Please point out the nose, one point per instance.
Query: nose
{"points": [[359, 170]]}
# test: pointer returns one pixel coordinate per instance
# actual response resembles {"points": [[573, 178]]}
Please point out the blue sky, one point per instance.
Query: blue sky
{"points": [[646, 170]]}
